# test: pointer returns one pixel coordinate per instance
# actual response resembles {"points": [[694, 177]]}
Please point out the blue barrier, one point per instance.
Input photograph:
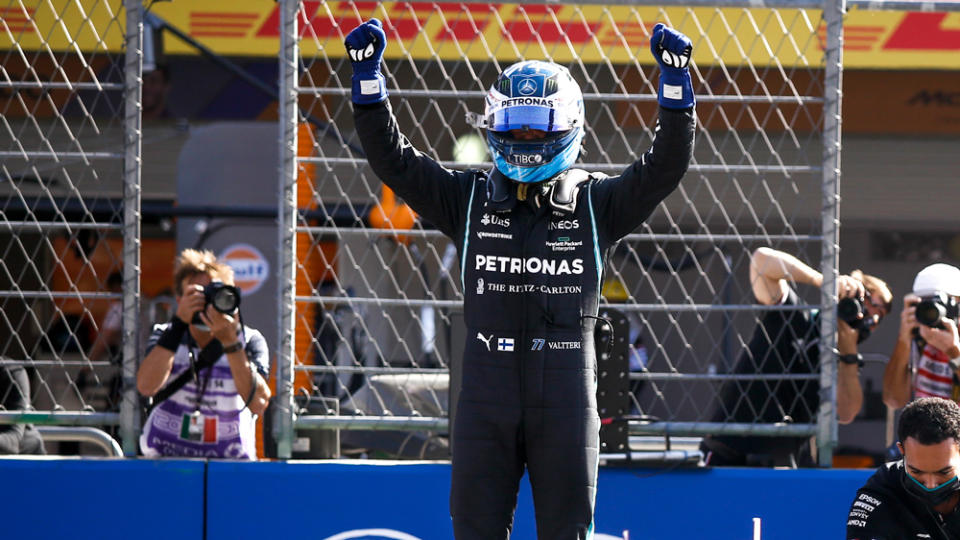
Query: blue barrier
{"points": [[146, 499], [105, 499], [327, 500]]}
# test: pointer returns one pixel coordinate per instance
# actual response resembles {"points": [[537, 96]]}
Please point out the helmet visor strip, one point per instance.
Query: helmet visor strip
{"points": [[546, 119]]}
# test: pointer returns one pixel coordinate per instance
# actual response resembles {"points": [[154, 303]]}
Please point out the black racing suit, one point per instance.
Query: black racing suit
{"points": [[884, 510], [531, 271]]}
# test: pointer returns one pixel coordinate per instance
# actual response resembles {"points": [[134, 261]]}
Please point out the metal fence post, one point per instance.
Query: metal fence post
{"points": [[287, 245], [133, 81], [827, 433]]}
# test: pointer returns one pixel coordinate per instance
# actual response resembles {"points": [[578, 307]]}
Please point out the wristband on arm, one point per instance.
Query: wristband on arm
{"points": [[853, 359], [171, 337]]}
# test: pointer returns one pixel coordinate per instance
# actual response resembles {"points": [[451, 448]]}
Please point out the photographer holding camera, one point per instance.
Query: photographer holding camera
{"points": [[787, 341], [205, 371], [928, 346]]}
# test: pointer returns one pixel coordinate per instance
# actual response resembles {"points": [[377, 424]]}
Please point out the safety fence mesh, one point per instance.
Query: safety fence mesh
{"points": [[61, 155], [378, 293], [378, 317]]}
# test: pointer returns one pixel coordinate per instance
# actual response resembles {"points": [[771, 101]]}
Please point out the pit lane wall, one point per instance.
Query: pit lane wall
{"points": [[146, 499]]}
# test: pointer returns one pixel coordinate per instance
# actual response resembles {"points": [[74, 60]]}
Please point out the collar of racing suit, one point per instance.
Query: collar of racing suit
{"points": [[560, 191]]}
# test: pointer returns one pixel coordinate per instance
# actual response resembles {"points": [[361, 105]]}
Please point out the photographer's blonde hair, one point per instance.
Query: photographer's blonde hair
{"points": [[193, 262], [877, 288]]}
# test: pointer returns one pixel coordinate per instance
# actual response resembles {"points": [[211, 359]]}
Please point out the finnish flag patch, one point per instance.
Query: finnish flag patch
{"points": [[505, 344]]}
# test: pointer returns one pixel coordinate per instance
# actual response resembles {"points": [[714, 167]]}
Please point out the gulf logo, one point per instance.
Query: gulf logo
{"points": [[250, 268]]}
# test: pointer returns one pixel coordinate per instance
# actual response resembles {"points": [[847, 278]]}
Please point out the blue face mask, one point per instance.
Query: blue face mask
{"points": [[931, 496]]}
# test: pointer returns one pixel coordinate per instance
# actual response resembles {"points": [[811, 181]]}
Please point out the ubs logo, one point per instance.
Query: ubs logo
{"points": [[487, 219], [527, 87]]}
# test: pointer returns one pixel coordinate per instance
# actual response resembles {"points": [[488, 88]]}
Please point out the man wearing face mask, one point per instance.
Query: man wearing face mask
{"points": [[917, 496]]}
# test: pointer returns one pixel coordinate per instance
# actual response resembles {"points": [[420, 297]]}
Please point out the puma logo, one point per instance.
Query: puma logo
{"points": [[486, 341]]}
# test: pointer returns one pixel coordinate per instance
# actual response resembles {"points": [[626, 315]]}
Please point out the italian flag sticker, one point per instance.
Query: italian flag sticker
{"points": [[199, 428]]}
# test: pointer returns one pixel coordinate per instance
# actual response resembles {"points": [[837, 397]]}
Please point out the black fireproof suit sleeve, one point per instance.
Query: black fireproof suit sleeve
{"points": [[438, 194], [14, 395], [623, 202]]}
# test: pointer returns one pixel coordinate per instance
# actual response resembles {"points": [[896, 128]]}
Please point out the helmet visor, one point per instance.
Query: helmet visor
{"points": [[528, 117], [530, 152]]}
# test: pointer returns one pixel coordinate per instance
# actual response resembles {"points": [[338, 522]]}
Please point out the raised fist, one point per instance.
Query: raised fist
{"points": [[365, 45], [672, 51]]}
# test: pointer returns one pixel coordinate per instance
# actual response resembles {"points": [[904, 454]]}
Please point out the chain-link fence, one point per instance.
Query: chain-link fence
{"points": [[370, 299], [384, 289], [70, 196]]}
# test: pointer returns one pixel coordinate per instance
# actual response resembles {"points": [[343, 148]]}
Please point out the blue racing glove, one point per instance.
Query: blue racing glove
{"points": [[672, 51], [365, 45]]}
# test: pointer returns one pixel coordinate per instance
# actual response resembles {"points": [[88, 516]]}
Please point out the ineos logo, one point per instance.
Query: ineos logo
{"points": [[564, 224]]}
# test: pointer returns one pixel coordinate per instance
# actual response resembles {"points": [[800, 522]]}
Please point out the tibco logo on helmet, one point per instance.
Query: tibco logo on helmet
{"points": [[534, 95]]}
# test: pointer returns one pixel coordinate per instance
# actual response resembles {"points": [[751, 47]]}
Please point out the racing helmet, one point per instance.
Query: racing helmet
{"points": [[534, 95]]}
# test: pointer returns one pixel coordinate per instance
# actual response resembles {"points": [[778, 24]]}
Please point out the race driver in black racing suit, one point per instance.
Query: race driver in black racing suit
{"points": [[532, 234]]}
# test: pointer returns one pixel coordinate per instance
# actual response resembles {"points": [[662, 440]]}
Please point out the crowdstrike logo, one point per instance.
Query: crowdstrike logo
{"points": [[502, 236], [530, 265]]}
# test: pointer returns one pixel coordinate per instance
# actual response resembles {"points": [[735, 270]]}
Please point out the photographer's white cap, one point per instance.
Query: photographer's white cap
{"points": [[937, 278]]}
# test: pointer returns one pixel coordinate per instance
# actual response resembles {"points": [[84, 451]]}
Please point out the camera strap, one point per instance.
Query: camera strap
{"points": [[207, 357]]}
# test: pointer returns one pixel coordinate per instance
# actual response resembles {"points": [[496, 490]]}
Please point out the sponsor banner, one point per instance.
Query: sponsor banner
{"points": [[527, 288], [913, 102], [250, 267], [457, 31], [530, 265]]}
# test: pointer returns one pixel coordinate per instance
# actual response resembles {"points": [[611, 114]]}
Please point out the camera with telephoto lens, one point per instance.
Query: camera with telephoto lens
{"points": [[224, 298], [931, 309], [850, 311]]}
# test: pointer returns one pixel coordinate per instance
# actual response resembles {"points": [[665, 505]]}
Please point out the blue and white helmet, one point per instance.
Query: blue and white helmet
{"points": [[534, 95]]}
